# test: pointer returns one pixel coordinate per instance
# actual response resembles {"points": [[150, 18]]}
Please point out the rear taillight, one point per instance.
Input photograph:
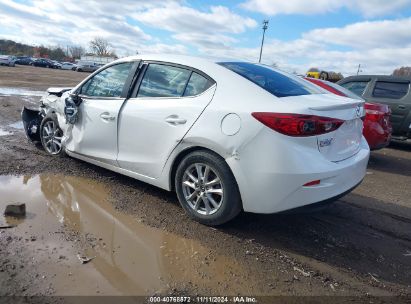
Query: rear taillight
{"points": [[376, 112], [298, 124], [374, 115]]}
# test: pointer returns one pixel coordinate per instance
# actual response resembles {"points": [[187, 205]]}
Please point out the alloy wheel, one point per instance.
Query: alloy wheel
{"points": [[202, 188], [52, 137]]}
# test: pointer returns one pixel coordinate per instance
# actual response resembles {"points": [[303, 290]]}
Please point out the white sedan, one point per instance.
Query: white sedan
{"points": [[67, 66], [226, 136]]}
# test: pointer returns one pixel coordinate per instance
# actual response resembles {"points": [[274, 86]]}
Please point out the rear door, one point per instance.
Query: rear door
{"points": [[166, 103], [396, 94], [102, 96]]}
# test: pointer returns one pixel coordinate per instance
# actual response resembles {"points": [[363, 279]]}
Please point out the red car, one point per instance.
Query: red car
{"points": [[377, 125]]}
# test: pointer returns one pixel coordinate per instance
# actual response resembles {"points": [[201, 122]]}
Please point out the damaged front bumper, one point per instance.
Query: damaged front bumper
{"points": [[31, 122], [32, 119]]}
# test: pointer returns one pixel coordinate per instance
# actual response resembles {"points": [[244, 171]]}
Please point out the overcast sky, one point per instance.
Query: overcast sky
{"points": [[330, 34]]}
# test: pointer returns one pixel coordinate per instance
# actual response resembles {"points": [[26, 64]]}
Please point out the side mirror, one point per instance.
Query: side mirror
{"points": [[76, 98], [71, 108]]}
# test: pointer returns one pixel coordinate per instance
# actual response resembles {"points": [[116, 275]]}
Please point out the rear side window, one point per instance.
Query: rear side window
{"points": [[392, 90], [277, 83], [197, 85], [357, 87], [163, 81]]}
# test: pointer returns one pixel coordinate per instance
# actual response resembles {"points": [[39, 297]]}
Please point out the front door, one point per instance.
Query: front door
{"points": [[168, 102], [95, 133]]}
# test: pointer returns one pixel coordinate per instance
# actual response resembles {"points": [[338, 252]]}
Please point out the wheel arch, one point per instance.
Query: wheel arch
{"points": [[49, 112], [180, 156]]}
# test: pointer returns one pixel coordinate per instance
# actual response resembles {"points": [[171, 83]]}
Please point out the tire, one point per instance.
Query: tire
{"points": [[324, 76], [53, 134], [223, 200]]}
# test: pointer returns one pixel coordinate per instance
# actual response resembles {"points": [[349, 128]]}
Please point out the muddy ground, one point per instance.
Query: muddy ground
{"points": [[140, 242]]}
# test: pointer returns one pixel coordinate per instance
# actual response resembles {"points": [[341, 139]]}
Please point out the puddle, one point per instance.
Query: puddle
{"points": [[17, 125], [4, 132], [5, 91], [130, 257]]}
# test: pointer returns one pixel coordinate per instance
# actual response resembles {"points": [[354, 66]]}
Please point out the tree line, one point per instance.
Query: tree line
{"points": [[402, 71], [98, 46]]}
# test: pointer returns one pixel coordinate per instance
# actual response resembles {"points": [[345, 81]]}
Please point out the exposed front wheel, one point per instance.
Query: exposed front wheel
{"points": [[51, 136], [206, 188]]}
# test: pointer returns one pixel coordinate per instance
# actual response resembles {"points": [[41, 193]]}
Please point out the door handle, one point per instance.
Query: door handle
{"points": [[175, 120], [107, 117], [402, 107]]}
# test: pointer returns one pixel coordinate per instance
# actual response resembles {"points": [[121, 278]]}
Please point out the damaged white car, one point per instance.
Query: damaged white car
{"points": [[226, 136]]}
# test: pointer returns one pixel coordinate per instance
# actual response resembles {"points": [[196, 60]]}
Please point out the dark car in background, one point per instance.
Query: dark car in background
{"points": [[41, 62], [46, 63], [55, 64], [377, 126], [24, 60], [389, 90]]}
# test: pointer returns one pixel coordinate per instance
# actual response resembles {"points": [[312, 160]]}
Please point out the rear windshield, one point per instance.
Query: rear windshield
{"points": [[343, 90], [277, 83]]}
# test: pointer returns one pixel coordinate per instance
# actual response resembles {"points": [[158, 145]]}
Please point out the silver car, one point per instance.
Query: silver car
{"points": [[87, 67]]}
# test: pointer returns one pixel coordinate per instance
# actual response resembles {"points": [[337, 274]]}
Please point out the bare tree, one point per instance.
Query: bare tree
{"points": [[403, 71], [100, 47], [77, 51]]}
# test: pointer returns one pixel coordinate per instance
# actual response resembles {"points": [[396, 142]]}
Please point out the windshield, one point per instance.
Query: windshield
{"points": [[278, 83]]}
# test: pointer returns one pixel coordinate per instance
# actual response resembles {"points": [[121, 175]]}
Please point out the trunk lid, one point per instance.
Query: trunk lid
{"points": [[345, 141]]}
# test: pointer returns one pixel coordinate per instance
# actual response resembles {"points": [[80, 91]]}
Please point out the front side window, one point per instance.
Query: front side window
{"points": [[163, 81], [357, 87], [109, 82], [392, 90], [277, 83], [197, 85]]}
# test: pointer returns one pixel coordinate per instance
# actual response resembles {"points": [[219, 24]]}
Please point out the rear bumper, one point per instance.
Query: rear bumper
{"points": [[319, 205], [272, 180]]}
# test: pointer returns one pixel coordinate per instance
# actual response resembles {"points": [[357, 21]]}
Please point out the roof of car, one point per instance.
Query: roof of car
{"points": [[205, 65], [173, 58], [380, 77]]}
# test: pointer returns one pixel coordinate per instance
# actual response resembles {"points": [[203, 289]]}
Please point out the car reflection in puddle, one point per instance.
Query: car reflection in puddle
{"points": [[132, 257]]}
